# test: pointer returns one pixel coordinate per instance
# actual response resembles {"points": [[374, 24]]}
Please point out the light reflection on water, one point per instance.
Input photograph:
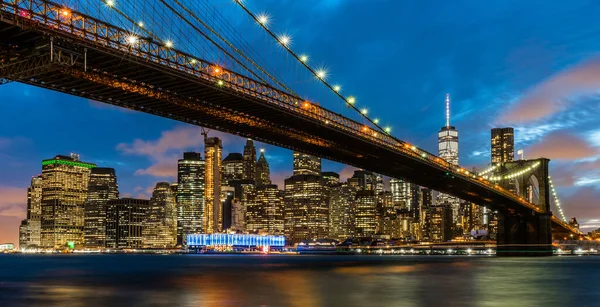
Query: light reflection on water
{"points": [[243, 280]]}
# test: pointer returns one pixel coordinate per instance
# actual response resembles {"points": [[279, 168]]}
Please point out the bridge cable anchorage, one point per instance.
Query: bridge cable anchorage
{"points": [[514, 173], [191, 13], [319, 73], [213, 42], [556, 200]]}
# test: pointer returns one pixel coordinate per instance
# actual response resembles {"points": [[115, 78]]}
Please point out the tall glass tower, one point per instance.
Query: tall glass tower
{"points": [[190, 195], [213, 213], [448, 150], [101, 188]]}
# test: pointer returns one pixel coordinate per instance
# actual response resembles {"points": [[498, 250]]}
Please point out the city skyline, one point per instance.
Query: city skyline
{"points": [[142, 155]]}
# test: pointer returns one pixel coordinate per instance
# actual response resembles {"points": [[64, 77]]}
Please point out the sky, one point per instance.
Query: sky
{"points": [[531, 65]]}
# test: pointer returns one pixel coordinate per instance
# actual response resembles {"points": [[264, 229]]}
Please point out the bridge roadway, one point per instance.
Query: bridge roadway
{"points": [[53, 47]]}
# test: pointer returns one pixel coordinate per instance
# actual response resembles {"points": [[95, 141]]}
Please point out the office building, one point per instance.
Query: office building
{"points": [[233, 167], [502, 145], [125, 219], [65, 182], [213, 214], [448, 150], [331, 179], [364, 180], [242, 189], [342, 210], [160, 221], [249, 161], [306, 208], [101, 188], [32, 226], [366, 213], [227, 198], [263, 175], [264, 211], [305, 164], [190, 195], [440, 223]]}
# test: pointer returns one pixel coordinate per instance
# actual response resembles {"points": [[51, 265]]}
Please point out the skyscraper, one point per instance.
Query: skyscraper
{"points": [[64, 192], [264, 212], [306, 208], [32, 226], [503, 145], [342, 210], [101, 188], [233, 167], [249, 161], [305, 164], [364, 180], [213, 214], [242, 190], [263, 175], [160, 223], [401, 193], [365, 214], [125, 222], [190, 195], [448, 150]]}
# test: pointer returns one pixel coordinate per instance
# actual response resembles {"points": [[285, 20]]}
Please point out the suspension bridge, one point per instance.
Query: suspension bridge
{"points": [[113, 53]]}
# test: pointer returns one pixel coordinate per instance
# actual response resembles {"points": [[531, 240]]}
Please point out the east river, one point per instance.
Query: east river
{"points": [[288, 280]]}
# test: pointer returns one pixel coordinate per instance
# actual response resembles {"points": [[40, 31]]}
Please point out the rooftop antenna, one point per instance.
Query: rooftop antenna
{"points": [[448, 110]]}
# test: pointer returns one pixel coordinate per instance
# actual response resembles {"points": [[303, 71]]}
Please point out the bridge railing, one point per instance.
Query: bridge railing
{"points": [[56, 18]]}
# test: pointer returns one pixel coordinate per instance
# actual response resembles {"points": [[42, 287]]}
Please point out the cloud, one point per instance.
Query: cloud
{"points": [[347, 172], [8, 142], [13, 201], [555, 93], [168, 148], [561, 145], [584, 204]]}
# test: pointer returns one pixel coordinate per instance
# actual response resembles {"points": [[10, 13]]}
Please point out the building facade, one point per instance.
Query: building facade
{"points": [[160, 221], [65, 182], [249, 161], [342, 211], [264, 211], [305, 164], [125, 222], [190, 195], [32, 230], [306, 208], [233, 167], [502, 145], [101, 188], [263, 174], [213, 213], [366, 213]]}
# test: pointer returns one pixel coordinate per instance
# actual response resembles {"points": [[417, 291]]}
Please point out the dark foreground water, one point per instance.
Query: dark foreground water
{"points": [[257, 280]]}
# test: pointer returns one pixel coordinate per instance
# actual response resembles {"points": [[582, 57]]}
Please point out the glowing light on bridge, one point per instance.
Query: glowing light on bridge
{"points": [[110, 3], [351, 100], [364, 111], [337, 88], [132, 39], [140, 24], [169, 44], [388, 129], [321, 73], [304, 58], [263, 19], [65, 12], [285, 39], [376, 120], [556, 200]]}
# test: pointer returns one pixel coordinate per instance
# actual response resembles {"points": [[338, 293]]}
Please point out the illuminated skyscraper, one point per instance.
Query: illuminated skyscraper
{"points": [[242, 190], [249, 161], [305, 164], [264, 212], [306, 208], [64, 192], [125, 219], [342, 207], [503, 145], [190, 195], [160, 223], [448, 150], [233, 167], [213, 213], [102, 188], [401, 193], [263, 175], [331, 179], [32, 227], [365, 213], [364, 180]]}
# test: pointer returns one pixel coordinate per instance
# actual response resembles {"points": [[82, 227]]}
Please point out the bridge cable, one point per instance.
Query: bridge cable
{"points": [[213, 42], [320, 75], [234, 48], [556, 200]]}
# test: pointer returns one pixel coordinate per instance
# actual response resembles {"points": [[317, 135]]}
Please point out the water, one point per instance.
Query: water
{"points": [[273, 280]]}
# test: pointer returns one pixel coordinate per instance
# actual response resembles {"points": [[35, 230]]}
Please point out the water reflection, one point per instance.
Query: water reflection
{"points": [[146, 280]]}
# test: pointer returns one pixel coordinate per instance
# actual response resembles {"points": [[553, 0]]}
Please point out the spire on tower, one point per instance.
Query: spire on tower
{"points": [[447, 110]]}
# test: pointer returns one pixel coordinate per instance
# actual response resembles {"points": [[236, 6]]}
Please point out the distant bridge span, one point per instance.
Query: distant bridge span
{"points": [[49, 46]]}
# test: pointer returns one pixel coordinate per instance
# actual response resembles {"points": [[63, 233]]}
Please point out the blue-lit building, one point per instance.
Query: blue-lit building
{"points": [[225, 241]]}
